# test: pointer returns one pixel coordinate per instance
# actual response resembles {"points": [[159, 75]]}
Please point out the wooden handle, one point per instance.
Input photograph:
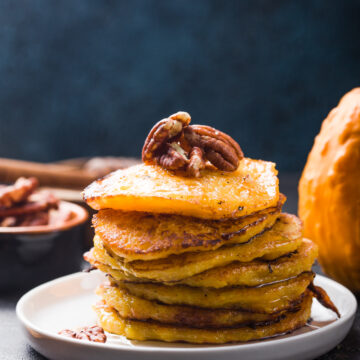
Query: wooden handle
{"points": [[67, 176]]}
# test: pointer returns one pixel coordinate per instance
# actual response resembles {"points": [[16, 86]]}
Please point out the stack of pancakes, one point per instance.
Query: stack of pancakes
{"points": [[200, 260]]}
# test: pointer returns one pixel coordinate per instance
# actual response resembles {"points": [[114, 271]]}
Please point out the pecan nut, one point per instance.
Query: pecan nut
{"points": [[163, 132], [175, 145], [220, 149], [174, 158]]}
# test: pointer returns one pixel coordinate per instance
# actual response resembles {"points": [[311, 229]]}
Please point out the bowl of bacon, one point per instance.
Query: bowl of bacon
{"points": [[40, 236]]}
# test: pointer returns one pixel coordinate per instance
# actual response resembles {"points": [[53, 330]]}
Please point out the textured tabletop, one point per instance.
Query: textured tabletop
{"points": [[14, 347]]}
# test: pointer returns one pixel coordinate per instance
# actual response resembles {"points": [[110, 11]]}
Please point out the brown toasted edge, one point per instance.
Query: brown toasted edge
{"points": [[200, 318], [198, 242], [88, 256], [115, 282], [292, 303], [253, 325], [115, 256]]}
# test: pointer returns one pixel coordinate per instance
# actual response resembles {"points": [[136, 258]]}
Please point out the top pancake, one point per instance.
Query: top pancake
{"points": [[216, 195]]}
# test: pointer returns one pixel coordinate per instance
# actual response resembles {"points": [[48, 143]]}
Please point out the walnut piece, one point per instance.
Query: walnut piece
{"points": [[175, 145], [91, 333]]}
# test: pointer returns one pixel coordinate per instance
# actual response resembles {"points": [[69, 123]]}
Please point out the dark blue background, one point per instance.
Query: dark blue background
{"points": [[89, 77]]}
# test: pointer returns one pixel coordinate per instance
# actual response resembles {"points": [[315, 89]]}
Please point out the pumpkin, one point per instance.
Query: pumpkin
{"points": [[329, 192]]}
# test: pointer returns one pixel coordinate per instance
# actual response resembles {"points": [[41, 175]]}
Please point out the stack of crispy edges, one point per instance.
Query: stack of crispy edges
{"points": [[209, 260]]}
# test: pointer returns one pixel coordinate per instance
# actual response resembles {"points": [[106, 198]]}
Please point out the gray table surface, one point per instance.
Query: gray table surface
{"points": [[14, 347]]}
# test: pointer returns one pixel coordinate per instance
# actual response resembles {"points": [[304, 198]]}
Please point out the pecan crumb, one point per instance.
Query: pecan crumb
{"points": [[91, 333], [175, 145]]}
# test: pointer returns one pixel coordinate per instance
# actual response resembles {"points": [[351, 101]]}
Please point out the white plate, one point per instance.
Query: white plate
{"points": [[66, 303]]}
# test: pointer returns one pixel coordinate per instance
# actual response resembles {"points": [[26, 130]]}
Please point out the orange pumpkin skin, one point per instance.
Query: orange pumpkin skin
{"points": [[329, 192]]}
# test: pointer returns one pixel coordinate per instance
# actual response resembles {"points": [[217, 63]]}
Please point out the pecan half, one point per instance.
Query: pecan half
{"points": [[163, 132], [175, 145], [174, 158], [220, 149]]}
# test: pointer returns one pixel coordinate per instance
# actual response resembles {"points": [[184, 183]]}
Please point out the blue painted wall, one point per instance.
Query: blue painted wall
{"points": [[90, 77]]}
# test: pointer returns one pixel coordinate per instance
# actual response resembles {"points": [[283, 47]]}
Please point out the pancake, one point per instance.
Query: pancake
{"points": [[198, 254], [110, 320], [144, 236], [252, 273], [283, 238], [267, 298], [135, 308], [216, 195]]}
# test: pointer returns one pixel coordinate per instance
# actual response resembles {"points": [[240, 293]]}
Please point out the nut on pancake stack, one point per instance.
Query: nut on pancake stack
{"points": [[195, 245]]}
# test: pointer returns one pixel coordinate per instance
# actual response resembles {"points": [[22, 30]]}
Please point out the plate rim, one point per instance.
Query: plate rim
{"points": [[140, 348]]}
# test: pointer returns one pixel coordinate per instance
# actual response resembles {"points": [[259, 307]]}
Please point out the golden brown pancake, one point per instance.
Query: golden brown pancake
{"points": [[216, 195], [145, 236], [139, 330], [251, 273], [284, 237], [135, 308], [268, 298]]}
